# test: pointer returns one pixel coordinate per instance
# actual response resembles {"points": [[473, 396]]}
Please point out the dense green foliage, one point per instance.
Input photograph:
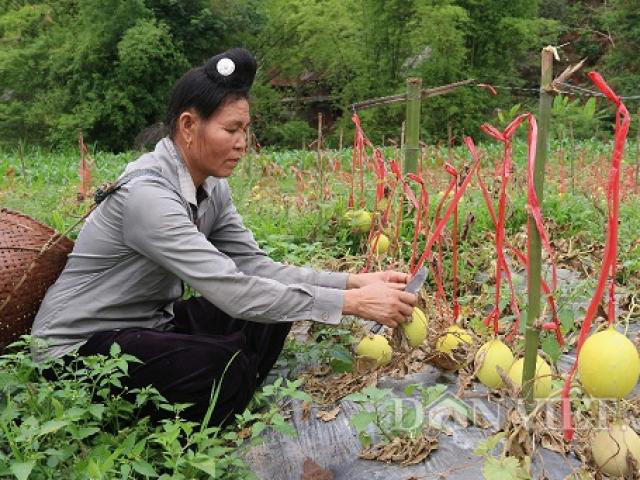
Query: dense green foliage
{"points": [[107, 67], [85, 424]]}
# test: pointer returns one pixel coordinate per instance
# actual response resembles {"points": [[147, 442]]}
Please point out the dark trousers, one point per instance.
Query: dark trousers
{"points": [[185, 362]]}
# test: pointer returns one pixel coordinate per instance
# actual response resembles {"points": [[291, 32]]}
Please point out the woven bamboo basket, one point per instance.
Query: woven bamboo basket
{"points": [[32, 255]]}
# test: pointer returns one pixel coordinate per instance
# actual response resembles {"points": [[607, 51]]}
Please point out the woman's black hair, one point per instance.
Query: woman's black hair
{"points": [[226, 76]]}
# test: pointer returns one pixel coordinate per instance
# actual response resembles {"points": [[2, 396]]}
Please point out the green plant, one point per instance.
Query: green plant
{"points": [[501, 467], [267, 405], [384, 416], [85, 423], [573, 118], [328, 345]]}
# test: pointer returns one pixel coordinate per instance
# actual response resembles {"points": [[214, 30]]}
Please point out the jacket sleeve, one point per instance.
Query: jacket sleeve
{"points": [[230, 236], [156, 225]]}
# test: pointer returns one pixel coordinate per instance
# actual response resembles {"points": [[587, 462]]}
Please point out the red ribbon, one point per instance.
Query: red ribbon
{"points": [[521, 257], [533, 208], [428, 250], [608, 267], [488, 87]]}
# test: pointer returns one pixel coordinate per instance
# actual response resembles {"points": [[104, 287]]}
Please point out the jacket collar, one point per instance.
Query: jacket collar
{"points": [[168, 154]]}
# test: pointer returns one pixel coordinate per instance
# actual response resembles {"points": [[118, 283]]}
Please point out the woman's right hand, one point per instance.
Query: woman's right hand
{"points": [[385, 303]]}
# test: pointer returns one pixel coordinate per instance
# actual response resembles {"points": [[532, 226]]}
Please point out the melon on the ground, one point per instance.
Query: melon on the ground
{"points": [[491, 356], [608, 365], [542, 378], [453, 337], [380, 244], [416, 329], [376, 348], [610, 448]]}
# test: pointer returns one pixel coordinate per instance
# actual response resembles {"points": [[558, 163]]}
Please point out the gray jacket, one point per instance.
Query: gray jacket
{"points": [[137, 247]]}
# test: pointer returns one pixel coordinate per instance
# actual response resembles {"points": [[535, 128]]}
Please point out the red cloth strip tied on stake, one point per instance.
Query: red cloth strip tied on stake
{"points": [[438, 273], [423, 210], [380, 220], [359, 143], [454, 237], [358, 163], [522, 258], [437, 231], [533, 208], [608, 269], [494, 315]]}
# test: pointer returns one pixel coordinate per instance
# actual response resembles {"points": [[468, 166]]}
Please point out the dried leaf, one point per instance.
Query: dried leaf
{"points": [[403, 450], [312, 471], [328, 415], [306, 410], [84, 169]]}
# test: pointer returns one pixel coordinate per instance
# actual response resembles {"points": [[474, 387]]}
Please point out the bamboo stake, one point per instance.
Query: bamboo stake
{"points": [[23, 165], [638, 152], [532, 333], [450, 142], [249, 155], [572, 159], [411, 148], [340, 143], [319, 156], [402, 134], [393, 99]]}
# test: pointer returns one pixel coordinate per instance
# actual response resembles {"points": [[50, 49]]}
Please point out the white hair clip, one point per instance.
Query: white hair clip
{"points": [[225, 67]]}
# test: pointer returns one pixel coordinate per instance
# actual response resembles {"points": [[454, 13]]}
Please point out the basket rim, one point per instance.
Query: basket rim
{"points": [[49, 228]]}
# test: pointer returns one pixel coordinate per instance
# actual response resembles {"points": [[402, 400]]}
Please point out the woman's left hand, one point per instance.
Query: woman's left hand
{"points": [[358, 280]]}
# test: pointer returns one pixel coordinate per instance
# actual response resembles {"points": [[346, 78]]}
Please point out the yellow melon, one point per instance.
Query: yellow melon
{"points": [[610, 449], [381, 243], [416, 329], [608, 365], [375, 347], [454, 336], [361, 221], [489, 357], [542, 378]]}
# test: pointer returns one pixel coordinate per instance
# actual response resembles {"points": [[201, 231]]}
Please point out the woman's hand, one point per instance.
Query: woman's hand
{"points": [[359, 280], [385, 303]]}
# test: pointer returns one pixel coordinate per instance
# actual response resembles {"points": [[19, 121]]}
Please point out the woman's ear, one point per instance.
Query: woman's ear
{"points": [[187, 122]]}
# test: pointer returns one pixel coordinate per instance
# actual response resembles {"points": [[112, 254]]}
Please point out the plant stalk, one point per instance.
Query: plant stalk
{"points": [[532, 332]]}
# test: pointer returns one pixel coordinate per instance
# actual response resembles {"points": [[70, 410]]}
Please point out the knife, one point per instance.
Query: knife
{"points": [[414, 285]]}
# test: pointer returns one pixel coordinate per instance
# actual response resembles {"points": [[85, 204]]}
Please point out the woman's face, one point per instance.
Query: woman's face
{"points": [[219, 141]]}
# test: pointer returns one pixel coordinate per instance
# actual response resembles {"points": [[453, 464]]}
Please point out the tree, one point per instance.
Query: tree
{"points": [[622, 63], [103, 66]]}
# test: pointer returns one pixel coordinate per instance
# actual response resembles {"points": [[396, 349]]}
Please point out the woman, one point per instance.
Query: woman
{"points": [[171, 220]]}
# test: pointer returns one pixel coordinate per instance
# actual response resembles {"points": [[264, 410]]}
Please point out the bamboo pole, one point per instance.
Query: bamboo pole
{"points": [[23, 165], [411, 147], [393, 99], [532, 333], [450, 143], [249, 163], [340, 143], [320, 157], [572, 159], [638, 152]]}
